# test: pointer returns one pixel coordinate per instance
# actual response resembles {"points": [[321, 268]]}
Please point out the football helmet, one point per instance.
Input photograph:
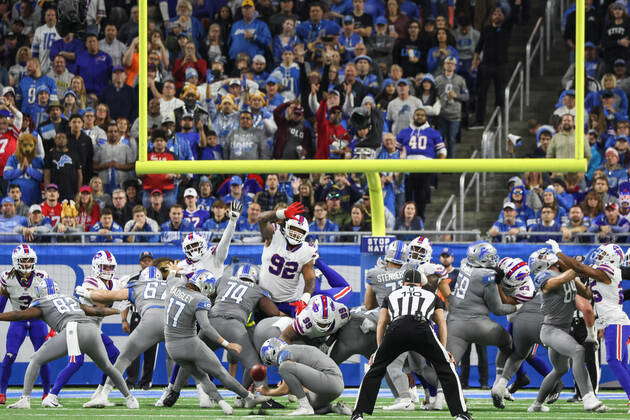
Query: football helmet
{"points": [[104, 265], [482, 254], [610, 254], [541, 260], [248, 272], [270, 350], [396, 252], [151, 273], [419, 250], [204, 281], [45, 287], [296, 230], [516, 273], [322, 312], [24, 258], [194, 246]]}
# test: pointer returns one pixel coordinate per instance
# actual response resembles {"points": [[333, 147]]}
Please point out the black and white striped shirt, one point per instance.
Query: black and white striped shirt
{"points": [[412, 301]]}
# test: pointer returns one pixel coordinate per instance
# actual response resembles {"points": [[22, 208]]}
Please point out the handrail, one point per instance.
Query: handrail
{"points": [[451, 203], [490, 147], [509, 99], [530, 54], [463, 190]]}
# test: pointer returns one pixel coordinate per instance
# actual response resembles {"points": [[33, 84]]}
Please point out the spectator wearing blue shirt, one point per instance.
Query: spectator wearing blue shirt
{"points": [[173, 229], [249, 35], [547, 223], [69, 47], [610, 223], [236, 192], [141, 223], [250, 224], [612, 169], [192, 213], [9, 221], [36, 224], [565, 199], [34, 78], [437, 54], [508, 228], [219, 219], [94, 66], [549, 199], [316, 27], [287, 38], [105, 228], [524, 213], [321, 223], [288, 73], [206, 199], [25, 170], [408, 220], [349, 39]]}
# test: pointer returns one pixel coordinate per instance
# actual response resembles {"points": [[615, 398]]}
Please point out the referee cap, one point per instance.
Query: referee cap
{"points": [[414, 276]]}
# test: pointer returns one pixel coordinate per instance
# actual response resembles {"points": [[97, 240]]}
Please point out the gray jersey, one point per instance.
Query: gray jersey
{"points": [[236, 299], [468, 300], [146, 294], [309, 356], [558, 305], [182, 306], [531, 307], [384, 281], [20, 291], [58, 310]]}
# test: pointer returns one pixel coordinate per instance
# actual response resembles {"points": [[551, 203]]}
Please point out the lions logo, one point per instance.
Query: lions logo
{"points": [[63, 161]]}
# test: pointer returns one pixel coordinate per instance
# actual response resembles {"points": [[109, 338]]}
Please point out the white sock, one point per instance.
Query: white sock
{"points": [[303, 402], [106, 390], [250, 396]]}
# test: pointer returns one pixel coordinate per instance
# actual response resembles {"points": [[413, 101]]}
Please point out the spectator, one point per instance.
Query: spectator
{"points": [[141, 223], [453, 94], [564, 198], [447, 259], [117, 94], [236, 193], [172, 229], [399, 111], [63, 167], [168, 101], [21, 209], [400, 25], [568, 107], [508, 229], [226, 119], [441, 51], [163, 182], [349, 38], [80, 143], [562, 144], [332, 137], [120, 208], [381, 43], [246, 142], [409, 220], [547, 223], [219, 219], [285, 12], [321, 223], [113, 160], [205, 194], [294, 136], [9, 221], [616, 33], [592, 206], [111, 45], [132, 190], [334, 211], [305, 194], [68, 224], [88, 209], [35, 226], [190, 60], [94, 66], [106, 228], [576, 224], [609, 225], [249, 35], [192, 213], [250, 225], [100, 196], [347, 192], [543, 139], [26, 170], [61, 75], [357, 223], [67, 48], [271, 195], [313, 28], [286, 39], [51, 207], [601, 188]]}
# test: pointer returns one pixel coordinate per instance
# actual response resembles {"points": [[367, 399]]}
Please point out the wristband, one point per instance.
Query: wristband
{"points": [[225, 343], [305, 297], [280, 214]]}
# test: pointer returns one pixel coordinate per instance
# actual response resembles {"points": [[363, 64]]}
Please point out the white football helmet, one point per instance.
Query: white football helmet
{"points": [[205, 282], [248, 272], [396, 253], [270, 350], [419, 250], [45, 287], [482, 254], [296, 230], [24, 258], [104, 265], [151, 273], [322, 312], [541, 260], [610, 254], [194, 246], [516, 273]]}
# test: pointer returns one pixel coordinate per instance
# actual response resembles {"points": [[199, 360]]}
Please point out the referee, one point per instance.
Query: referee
{"points": [[405, 313]]}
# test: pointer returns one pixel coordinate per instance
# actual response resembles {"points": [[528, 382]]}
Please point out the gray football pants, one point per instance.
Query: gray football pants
{"points": [[193, 355], [147, 333], [525, 334], [235, 331], [563, 347], [323, 387], [482, 331], [90, 343]]}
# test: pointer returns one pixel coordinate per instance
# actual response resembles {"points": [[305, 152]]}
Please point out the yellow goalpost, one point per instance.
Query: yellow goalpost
{"points": [[371, 168]]}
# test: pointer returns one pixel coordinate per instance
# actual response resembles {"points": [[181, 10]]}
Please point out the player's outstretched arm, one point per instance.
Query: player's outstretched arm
{"points": [[494, 303], [266, 218], [30, 313], [226, 238], [557, 281], [577, 266], [583, 291], [100, 311], [103, 296]]}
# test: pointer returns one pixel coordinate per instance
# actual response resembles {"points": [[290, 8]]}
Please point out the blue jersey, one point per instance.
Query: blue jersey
{"points": [[27, 90], [289, 78], [349, 43], [421, 143], [254, 46], [504, 227], [196, 218], [173, 235], [539, 227], [106, 238], [212, 225], [205, 203], [75, 46], [244, 226], [309, 31], [8, 224]]}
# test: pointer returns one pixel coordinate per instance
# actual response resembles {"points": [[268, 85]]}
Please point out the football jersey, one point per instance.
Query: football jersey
{"points": [[384, 280], [213, 260], [93, 283], [608, 298], [558, 305], [146, 294], [524, 293], [236, 299], [196, 217], [281, 268], [468, 298], [182, 305], [309, 356], [58, 310], [303, 322], [21, 291]]}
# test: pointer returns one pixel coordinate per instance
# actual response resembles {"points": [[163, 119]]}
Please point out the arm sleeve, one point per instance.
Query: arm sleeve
{"points": [[204, 324], [493, 300], [224, 243]]}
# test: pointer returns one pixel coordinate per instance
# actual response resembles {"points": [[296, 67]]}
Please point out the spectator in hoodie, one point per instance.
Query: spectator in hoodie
{"points": [[271, 196], [576, 223], [507, 227], [26, 170], [547, 223], [316, 26], [428, 95], [609, 224], [543, 139], [246, 142], [225, 119], [141, 223], [106, 228], [294, 138], [565, 199], [249, 35], [524, 213], [321, 223], [453, 94], [330, 131]]}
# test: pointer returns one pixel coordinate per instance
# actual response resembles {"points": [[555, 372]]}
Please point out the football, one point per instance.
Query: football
{"points": [[258, 372]]}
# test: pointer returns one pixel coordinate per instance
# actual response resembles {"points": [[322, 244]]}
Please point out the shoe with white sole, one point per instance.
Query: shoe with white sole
{"points": [[253, 400], [440, 401], [292, 398], [497, 393], [132, 402], [594, 405], [98, 402], [96, 392], [401, 404], [302, 411], [51, 401], [226, 408], [204, 399], [414, 395], [160, 401], [537, 408], [340, 408], [22, 403]]}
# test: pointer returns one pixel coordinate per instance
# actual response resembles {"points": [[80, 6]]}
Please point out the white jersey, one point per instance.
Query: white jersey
{"points": [[608, 298], [281, 268], [42, 41], [21, 291], [523, 293], [303, 322], [94, 283]]}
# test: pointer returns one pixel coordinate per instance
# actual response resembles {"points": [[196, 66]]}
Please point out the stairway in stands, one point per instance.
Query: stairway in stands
{"points": [[544, 93]]}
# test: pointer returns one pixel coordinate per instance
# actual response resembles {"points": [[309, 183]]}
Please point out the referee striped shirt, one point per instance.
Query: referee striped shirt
{"points": [[412, 301]]}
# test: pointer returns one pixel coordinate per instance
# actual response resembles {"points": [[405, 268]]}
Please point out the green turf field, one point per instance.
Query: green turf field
{"points": [[187, 408]]}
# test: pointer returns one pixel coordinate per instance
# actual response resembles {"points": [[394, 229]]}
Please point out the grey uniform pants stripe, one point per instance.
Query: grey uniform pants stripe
{"points": [[193, 354], [149, 332], [525, 335], [323, 387], [90, 343], [563, 347]]}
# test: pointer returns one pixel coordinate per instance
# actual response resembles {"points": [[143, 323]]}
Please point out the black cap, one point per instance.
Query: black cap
{"points": [[412, 276], [146, 254]]}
